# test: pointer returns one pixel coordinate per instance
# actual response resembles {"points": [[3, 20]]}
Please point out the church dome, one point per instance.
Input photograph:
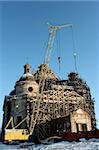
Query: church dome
{"points": [[27, 75], [26, 84]]}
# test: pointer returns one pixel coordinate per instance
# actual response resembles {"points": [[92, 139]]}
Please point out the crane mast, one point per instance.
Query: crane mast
{"points": [[52, 33]]}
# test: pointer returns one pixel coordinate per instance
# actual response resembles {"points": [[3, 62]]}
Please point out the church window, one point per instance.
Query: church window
{"points": [[30, 89]]}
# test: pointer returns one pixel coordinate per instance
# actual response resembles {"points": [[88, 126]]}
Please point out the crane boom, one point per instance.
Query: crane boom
{"points": [[51, 37], [59, 26]]}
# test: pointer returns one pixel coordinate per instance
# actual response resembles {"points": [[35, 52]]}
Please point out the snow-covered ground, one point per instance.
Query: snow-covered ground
{"points": [[84, 145]]}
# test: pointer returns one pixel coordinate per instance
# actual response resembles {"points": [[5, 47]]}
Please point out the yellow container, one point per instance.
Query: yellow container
{"points": [[15, 135]]}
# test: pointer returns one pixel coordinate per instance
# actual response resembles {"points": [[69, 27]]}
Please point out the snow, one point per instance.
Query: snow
{"points": [[93, 140], [88, 145], [70, 146], [83, 140]]}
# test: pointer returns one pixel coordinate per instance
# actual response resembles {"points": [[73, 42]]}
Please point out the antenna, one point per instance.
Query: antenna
{"points": [[75, 60], [74, 51]]}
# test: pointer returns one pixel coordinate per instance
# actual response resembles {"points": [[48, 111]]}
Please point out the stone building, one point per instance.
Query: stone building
{"points": [[66, 105]]}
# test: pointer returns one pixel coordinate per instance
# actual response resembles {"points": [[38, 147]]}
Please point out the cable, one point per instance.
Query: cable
{"points": [[58, 50]]}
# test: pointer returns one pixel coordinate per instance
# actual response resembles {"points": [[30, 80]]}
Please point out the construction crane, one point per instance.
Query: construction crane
{"points": [[51, 37], [35, 111]]}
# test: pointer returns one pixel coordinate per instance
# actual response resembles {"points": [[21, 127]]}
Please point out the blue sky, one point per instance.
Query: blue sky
{"points": [[24, 32]]}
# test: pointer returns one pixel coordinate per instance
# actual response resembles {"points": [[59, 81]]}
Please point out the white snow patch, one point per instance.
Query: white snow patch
{"points": [[88, 145], [82, 140]]}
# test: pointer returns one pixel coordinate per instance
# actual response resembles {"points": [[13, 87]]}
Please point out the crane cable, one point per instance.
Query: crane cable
{"points": [[74, 50], [58, 50]]}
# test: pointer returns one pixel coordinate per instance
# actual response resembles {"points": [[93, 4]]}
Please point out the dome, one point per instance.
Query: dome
{"points": [[26, 84], [27, 75]]}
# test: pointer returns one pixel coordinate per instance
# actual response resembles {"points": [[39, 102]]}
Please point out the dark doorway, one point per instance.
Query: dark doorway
{"points": [[77, 127], [84, 127]]}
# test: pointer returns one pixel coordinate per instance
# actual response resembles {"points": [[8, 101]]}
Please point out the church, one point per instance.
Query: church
{"points": [[61, 106]]}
